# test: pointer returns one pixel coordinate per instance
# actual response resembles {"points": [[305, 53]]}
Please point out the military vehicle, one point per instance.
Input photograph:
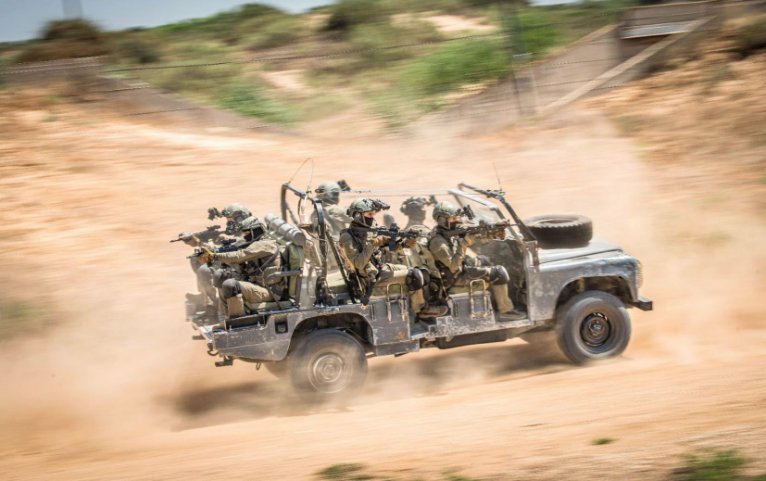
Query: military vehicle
{"points": [[572, 287]]}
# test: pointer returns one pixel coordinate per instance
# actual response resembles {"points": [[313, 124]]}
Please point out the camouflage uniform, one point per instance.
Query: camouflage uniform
{"points": [[328, 194], [415, 210], [361, 255], [450, 256], [258, 261]]}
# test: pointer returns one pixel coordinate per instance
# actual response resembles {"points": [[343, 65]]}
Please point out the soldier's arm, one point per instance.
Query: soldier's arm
{"points": [[441, 251], [358, 259], [253, 252]]}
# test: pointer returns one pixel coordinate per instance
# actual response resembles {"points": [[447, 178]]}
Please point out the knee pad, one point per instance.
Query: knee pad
{"points": [[426, 275], [205, 272], [415, 279], [231, 288], [499, 275], [484, 261]]}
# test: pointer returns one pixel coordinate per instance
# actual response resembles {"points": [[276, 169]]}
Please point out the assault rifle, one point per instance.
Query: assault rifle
{"points": [[393, 232], [228, 245], [483, 229], [212, 232]]}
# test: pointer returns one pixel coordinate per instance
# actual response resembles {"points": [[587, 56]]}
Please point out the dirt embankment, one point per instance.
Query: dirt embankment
{"points": [[117, 388]]}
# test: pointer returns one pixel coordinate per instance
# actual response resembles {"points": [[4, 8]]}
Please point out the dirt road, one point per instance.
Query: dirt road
{"points": [[118, 390]]}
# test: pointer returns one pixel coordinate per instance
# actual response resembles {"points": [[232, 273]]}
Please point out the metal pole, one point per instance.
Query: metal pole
{"points": [[510, 36]]}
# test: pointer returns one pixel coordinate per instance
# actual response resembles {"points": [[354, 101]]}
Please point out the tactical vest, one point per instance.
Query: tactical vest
{"points": [[261, 272], [359, 240], [448, 277]]}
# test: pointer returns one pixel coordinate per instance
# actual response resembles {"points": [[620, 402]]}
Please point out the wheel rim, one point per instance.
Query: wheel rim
{"points": [[596, 332], [327, 373]]}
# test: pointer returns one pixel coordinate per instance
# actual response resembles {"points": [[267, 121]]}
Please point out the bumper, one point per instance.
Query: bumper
{"points": [[643, 303]]}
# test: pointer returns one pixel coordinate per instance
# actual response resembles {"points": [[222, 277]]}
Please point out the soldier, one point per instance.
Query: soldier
{"points": [[234, 214], [361, 254], [415, 210], [450, 254], [328, 194], [258, 259]]}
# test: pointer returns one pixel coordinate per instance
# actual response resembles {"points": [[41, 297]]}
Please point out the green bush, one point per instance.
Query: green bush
{"points": [[456, 63], [537, 33], [751, 36], [713, 465], [194, 81], [271, 31], [347, 14], [20, 317], [372, 40], [78, 30], [63, 39], [138, 51], [253, 101]]}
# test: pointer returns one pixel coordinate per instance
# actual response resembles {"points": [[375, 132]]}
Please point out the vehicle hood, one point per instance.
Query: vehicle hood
{"points": [[595, 246]]}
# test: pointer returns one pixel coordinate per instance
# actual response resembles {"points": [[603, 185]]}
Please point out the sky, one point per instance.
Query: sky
{"points": [[23, 19]]}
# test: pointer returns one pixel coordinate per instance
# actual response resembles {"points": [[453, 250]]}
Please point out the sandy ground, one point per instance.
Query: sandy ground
{"points": [[118, 390]]}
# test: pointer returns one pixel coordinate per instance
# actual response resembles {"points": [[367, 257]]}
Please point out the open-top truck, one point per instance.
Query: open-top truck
{"points": [[568, 284]]}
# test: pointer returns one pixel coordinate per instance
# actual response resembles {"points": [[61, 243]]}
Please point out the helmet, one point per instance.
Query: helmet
{"points": [[413, 204], [237, 212], [254, 227], [442, 211], [360, 206], [328, 192]]}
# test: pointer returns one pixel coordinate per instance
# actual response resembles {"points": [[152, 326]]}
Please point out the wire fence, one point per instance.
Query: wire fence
{"points": [[530, 85]]}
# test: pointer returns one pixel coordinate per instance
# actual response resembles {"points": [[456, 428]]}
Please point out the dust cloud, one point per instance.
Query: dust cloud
{"points": [[119, 374]]}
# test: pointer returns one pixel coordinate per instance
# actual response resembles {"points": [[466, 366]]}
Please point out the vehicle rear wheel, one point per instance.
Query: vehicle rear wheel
{"points": [[559, 231], [327, 364], [592, 325]]}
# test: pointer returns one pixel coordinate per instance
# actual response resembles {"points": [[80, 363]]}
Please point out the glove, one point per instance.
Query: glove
{"points": [[206, 256]]}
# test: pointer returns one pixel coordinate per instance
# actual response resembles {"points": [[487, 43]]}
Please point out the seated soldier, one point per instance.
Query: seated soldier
{"points": [[328, 194], [235, 214], [258, 258], [361, 255], [449, 251], [415, 210]]}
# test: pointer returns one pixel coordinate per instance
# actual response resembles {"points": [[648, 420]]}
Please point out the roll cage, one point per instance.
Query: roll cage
{"points": [[464, 194]]}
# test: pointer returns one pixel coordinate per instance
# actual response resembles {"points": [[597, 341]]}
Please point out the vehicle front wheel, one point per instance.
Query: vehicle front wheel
{"points": [[592, 325], [327, 364]]}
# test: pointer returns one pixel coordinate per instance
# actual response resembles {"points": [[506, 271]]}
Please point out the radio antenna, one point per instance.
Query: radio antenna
{"points": [[298, 170]]}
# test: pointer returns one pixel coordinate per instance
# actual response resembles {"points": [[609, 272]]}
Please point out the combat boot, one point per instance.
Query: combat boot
{"points": [[505, 308], [430, 310]]}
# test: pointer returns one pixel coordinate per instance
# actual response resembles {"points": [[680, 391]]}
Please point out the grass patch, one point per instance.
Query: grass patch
{"points": [[602, 441], [271, 31], [713, 465], [455, 64], [17, 317], [344, 472], [450, 476], [252, 101]]}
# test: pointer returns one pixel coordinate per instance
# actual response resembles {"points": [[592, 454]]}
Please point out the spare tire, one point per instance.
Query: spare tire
{"points": [[559, 231]]}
